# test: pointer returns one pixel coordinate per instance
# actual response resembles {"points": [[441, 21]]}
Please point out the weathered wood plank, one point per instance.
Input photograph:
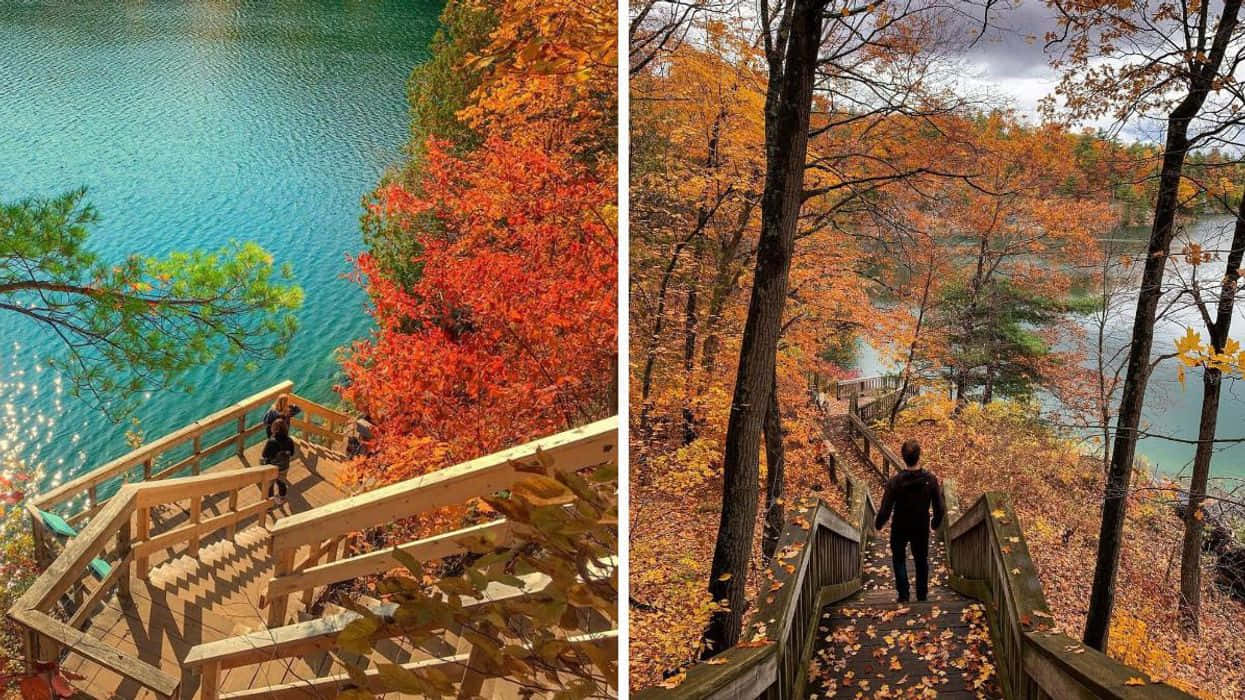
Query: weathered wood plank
{"points": [[160, 493], [142, 673], [426, 549]]}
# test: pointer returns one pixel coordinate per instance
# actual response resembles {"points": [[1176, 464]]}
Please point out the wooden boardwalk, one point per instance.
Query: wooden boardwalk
{"points": [[186, 601], [872, 646]]}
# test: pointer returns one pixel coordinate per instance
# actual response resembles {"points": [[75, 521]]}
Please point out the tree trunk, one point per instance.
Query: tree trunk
{"points": [[775, 463], [1191, 548], [1102, 596], [916, 333], [689, 355], [788, 109]]}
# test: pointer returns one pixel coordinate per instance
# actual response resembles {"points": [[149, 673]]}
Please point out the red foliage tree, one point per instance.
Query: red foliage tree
{"points": [[510, 331]]}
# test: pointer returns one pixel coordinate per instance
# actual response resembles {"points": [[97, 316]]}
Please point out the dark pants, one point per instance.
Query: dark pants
{"points": [[920, 555]]}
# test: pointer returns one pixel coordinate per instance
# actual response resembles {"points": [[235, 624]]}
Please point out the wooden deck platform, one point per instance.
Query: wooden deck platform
{"points": [[872, 644], [186, 601]]}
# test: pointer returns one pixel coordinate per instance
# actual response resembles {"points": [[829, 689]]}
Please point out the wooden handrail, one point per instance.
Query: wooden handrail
{"points": [[146, 455], [113, 523], [871, 444], [990, 561], [572, 450], [859, 385], [589, 445], [497, 533]]}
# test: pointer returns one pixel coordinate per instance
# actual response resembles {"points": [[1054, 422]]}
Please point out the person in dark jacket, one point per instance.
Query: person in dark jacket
{"points": [[278, 451], [911, 494]]}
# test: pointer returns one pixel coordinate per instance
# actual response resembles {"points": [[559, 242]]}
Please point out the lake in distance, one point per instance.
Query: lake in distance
{"points": [[193, 123], [1170, 409]]}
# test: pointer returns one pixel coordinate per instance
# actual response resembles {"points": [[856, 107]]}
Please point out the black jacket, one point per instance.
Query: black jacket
{"points": [[911, 494], [278, 451]]}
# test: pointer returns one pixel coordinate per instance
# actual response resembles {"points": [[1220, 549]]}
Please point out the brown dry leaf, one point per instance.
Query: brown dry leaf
{"points": [[674, 681], [716, 661]]}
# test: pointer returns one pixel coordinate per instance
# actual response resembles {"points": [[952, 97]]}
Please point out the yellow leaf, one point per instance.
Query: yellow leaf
{"points": [[725, 577], [1135, 681]]}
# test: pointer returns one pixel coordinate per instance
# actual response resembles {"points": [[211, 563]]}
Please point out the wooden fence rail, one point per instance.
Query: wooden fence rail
{"points": [[848, 388], [92, 486], [990, 561]]}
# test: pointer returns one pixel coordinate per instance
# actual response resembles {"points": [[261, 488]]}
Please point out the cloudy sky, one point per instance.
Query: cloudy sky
{"points": [[1009, 60], [1011, 63]]}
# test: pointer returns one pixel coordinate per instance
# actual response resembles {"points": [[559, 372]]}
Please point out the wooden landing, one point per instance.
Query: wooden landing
{"points": [[872, 646], [189, 600]]}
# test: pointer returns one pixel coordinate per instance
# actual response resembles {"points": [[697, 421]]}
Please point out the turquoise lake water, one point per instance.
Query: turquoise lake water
{"points": [[192, 123], [1170, 409]]}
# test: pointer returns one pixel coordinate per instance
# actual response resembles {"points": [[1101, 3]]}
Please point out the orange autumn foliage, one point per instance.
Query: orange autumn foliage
{"points": [[509, 333], [509, 330]]}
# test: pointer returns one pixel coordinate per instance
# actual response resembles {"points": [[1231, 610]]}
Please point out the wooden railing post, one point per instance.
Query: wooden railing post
{"points": [[196, 516], [284, 564], [198, 447], [209, 681], [241, 434], [232, 529], [147, 464], [30, 642], [124, 547], [313, 558], [143, 518]]}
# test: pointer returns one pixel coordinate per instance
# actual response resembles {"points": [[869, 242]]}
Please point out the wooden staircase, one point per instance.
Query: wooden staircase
{"points": [[213, 593]]}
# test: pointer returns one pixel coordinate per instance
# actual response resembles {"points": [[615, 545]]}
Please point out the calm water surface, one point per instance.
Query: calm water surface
{"points": [[192, 123]]}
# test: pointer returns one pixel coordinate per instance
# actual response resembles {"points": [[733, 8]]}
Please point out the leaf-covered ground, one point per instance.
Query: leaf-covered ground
{"points": [[675, 507], [871, 646]]}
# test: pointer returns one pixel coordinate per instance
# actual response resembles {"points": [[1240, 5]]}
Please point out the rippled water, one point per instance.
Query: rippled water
{"points": [[192, 123]]}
